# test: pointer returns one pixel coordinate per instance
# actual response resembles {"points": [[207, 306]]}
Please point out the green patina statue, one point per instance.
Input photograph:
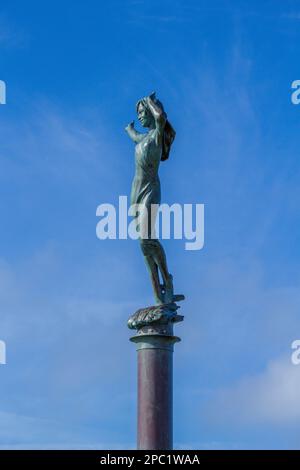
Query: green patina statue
{"points": [[151, 148]]}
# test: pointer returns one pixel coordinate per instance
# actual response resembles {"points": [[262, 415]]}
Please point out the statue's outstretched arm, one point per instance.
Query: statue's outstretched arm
{"points": [[133, 134]]}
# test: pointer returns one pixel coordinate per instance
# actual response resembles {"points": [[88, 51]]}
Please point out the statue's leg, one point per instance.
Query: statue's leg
{"points": [[160, 259], [159, 255], [155, 256], [152, 268]]}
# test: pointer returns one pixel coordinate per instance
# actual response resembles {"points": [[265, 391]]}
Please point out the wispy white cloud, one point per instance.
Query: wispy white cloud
{"points": [[56, 146], [268, 398]]}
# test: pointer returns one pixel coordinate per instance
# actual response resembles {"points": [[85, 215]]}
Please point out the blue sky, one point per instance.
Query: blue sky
{"points": [[74, 71]]}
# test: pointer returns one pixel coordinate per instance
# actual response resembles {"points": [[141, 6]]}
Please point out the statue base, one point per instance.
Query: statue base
{"points": [[164, 315]]}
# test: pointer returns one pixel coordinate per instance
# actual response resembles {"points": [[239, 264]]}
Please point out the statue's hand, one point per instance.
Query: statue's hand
{"points": [[129, 126], [150, 97]]}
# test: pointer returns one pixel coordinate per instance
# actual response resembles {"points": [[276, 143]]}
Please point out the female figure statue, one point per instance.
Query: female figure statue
{"points": [[151, 148]]}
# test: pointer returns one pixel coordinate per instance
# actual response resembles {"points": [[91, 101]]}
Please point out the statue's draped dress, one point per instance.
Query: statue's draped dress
{"points": [[146, 185]]}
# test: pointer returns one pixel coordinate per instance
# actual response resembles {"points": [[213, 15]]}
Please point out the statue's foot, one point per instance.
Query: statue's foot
{"points": [[178, 297], [167, 295]]}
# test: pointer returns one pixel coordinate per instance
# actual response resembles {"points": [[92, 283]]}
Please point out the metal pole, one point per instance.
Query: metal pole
{"points": [[155, 345]]}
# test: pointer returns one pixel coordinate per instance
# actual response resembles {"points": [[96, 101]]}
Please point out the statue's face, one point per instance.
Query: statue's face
{"points": [[144, 116]]}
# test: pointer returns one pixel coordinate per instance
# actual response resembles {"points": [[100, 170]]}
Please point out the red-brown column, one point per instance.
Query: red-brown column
{"points": [[155, 390]]}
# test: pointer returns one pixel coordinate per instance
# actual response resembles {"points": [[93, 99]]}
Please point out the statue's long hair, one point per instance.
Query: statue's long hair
{"points": [[169, 132]]}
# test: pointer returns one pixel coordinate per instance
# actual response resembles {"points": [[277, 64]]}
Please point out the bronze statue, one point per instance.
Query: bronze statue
{"points": [[151, 148]]}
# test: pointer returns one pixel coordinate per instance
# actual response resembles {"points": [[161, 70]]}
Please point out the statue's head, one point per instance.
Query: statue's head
{"points": [[144, 114], [147, 120]]}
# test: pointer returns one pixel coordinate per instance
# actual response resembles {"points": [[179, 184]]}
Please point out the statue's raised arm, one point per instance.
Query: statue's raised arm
{"points": [[157, 112]]}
